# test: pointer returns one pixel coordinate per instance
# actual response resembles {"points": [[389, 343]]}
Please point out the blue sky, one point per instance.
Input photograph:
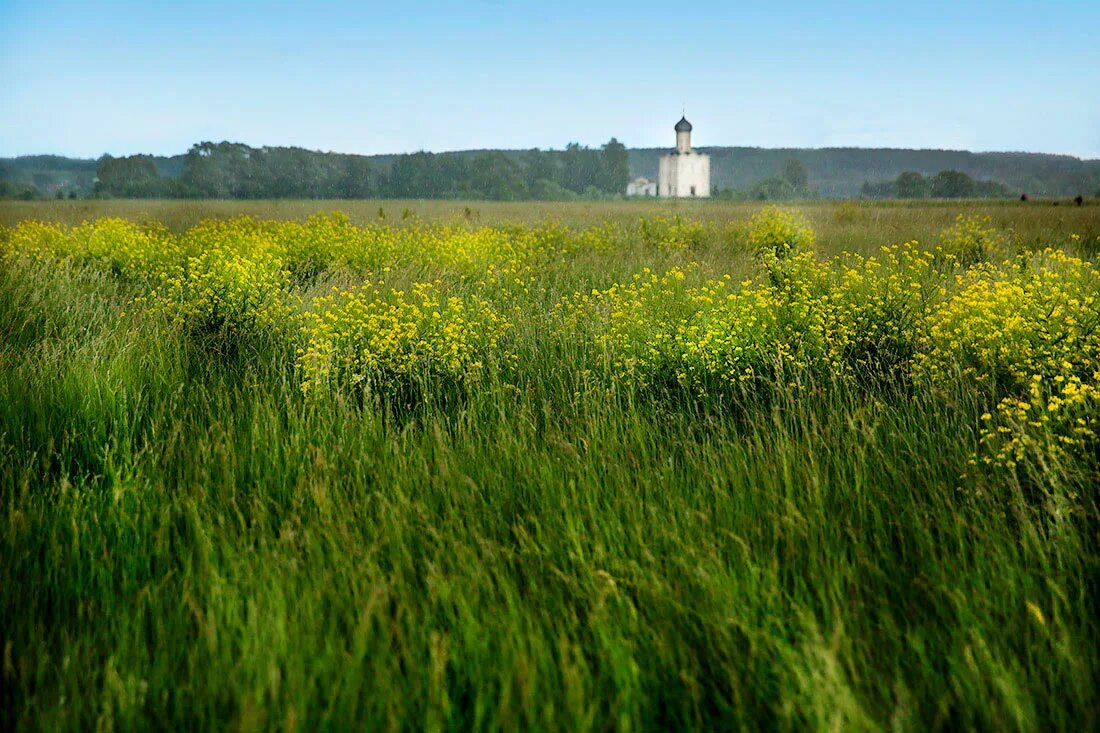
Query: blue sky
{"points": [[84, 78]]}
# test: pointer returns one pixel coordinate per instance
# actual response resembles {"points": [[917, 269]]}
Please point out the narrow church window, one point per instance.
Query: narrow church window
{"points": [[693, 190]]}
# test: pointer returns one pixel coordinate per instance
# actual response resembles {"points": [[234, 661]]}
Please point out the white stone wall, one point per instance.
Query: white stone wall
{"points": [[641, 187], [684, 175], [665, 174]]}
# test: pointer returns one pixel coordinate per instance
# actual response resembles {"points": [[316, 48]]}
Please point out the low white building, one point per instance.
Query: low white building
{"points": [[684, 173], [641, 187]]}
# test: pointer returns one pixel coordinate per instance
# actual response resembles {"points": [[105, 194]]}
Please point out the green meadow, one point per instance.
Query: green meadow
{"points": [[579, 466]]}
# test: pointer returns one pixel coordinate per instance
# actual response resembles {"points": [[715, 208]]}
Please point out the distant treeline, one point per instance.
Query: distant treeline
{"points": [[35, 176], [235, 171], [946, 184], [793, 182]]}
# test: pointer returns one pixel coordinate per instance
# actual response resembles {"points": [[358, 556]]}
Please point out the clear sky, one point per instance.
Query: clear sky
{"points": [[121, 76]]}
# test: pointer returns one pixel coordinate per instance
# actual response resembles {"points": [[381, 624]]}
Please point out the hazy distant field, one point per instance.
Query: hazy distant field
{"points": [[859, 226], [654, 467]]}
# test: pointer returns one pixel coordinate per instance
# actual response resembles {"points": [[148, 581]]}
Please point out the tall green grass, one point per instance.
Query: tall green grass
{"points": [[188, 543]]}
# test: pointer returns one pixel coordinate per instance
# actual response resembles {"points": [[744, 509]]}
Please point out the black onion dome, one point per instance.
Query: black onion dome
{"points": [[683, 125]]}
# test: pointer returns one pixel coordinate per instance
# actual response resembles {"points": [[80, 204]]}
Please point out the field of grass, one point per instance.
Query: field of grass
{"points": [[687, 467], [840, 226]]}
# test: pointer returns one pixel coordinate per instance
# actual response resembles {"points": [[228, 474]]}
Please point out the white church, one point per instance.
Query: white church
{"points": [[684, 173]]}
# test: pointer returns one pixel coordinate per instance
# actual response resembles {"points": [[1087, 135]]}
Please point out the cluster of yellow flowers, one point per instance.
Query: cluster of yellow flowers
{"points": [[779, 233], [847, 318], [637, 324], [673, 233], [224, 295], [374, 337], [877, 308], [118, 245], [1058, 419], [973, 239], [331, 241], [1001, 324]]}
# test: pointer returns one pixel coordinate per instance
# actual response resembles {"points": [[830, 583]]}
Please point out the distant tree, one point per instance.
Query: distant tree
{"points": [[1080, 180], [951, 184], [731, 194], [616, 167], [991, 190], [427, 175], [219, 170], [540, 166], [775, 188], [358, 179], [9, 190], [911, 185], [127, 176], [295, 173], [794, 172], [547, 190], [878, 189], [581, 168], [495, 176]]}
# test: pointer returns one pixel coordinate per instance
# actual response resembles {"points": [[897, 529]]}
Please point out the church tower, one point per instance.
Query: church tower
{"points": [[684, 173], [683, 136]]}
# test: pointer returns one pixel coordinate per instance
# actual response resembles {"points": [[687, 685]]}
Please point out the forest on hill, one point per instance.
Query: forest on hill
{"points": [[235, 170]]}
